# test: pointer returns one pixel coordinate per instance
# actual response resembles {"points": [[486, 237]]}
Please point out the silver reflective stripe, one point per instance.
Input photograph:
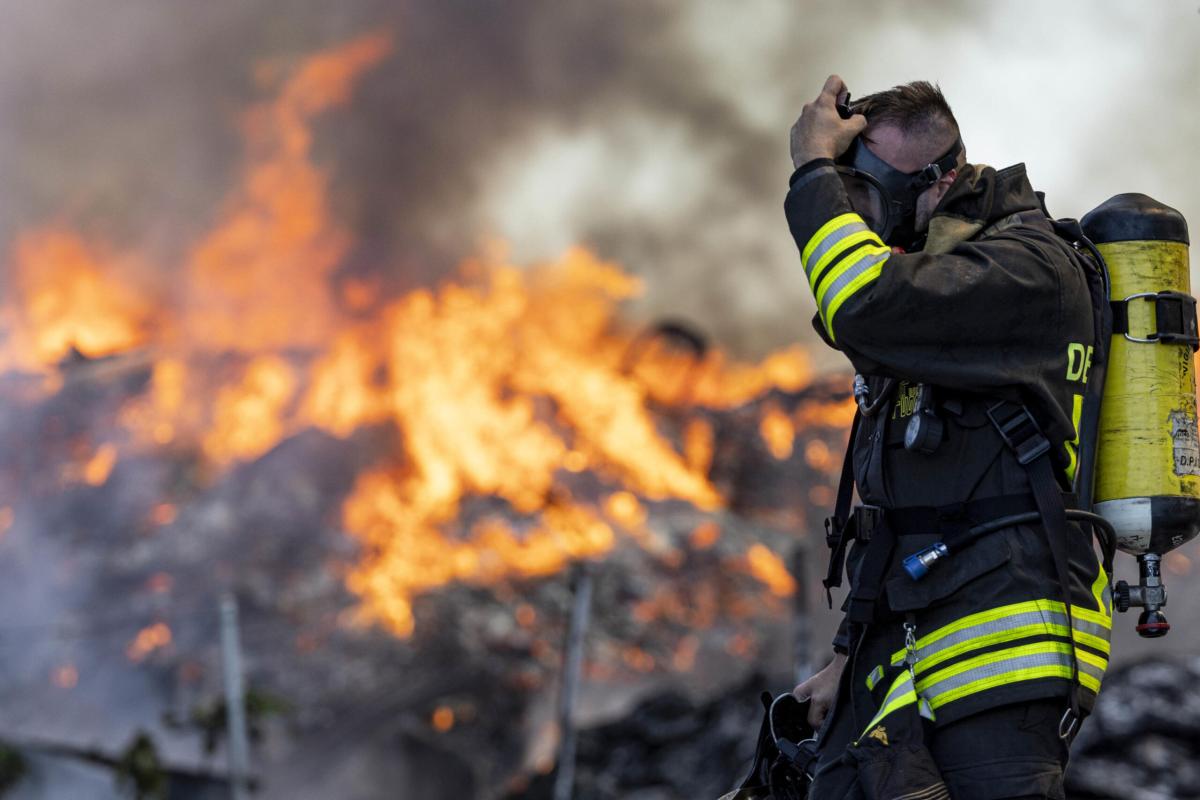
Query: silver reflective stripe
{"points": [[899, 688], [827, 244], [1091, 669], [1083, 626], [834, 289], [933, 689], [874, 677]]}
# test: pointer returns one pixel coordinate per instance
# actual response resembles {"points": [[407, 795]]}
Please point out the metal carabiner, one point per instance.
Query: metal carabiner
{"points": [[1068, 726]]}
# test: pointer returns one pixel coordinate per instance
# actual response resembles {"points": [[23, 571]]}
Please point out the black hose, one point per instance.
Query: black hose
{"points": [[1104, 530]]}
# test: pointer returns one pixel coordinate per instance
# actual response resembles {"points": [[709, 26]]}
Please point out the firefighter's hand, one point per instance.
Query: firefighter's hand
{"points": [[821, 132], [822, 689]]}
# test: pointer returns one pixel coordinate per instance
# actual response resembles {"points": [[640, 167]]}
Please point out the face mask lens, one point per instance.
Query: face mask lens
{"points": [[867, 201]]}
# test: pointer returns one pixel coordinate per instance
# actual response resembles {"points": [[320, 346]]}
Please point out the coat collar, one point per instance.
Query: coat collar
{"points": [[982, 200]]}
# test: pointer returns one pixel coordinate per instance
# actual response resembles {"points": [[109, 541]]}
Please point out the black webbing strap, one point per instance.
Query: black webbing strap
{"points": [[949, 521], [836, 535], [1174, 318], [868, 583], [1022, 434]]}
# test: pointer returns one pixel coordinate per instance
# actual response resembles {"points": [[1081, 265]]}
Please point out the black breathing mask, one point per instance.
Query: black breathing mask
{"points": [[885, 197]]}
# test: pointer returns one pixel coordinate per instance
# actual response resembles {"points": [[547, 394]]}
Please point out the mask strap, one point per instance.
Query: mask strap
{"points": [[933, 171]]}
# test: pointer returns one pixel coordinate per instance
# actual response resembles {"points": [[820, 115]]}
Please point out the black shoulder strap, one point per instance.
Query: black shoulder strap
{"points": [[1021, 433], [836, 534]]}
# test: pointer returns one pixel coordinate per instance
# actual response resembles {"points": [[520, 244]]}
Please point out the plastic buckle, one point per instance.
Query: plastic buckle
{"points": [[866, 519], [1166, 306], [1020, 432], [1185, 307], [833, 532]]}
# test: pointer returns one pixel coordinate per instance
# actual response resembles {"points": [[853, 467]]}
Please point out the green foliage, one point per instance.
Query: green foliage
{"points": [[12, 767], [211, 720], [140, 771]]}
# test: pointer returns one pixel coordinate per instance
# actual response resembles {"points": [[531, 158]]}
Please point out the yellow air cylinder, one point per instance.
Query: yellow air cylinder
{"points": [[1147, 479], [1148, 467]]}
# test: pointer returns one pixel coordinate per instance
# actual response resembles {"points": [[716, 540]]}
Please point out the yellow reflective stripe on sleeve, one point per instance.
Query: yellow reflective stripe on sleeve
{"points": [[865, 273], [840, 221], [830, 253]]}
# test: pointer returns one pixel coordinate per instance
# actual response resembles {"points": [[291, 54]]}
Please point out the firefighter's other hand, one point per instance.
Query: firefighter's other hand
{"points": [[821, 132], [822, 689]]}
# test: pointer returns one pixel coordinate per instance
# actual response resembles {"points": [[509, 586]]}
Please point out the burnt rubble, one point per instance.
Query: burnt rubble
{"points": [[464, 707]]}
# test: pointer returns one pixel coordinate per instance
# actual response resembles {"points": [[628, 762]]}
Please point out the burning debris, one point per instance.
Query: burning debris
{"points": [[392, 485]]}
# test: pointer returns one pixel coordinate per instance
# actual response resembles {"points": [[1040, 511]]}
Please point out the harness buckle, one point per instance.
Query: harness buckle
{"points": [[866, 520], [1019, 430], [833, 531]]}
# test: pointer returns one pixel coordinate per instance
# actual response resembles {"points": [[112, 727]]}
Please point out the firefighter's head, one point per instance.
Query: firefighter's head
{"points": [[903, 163]]}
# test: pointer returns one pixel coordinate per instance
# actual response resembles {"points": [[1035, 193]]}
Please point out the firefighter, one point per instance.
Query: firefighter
{"points": [[971, 319]]}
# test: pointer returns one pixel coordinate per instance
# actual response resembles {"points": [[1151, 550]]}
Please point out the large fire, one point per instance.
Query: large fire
{"points": [[504, 382]]}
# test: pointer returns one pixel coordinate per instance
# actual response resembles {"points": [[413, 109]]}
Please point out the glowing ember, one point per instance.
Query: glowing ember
{"points": [[637, 659], [159, 583], [65, 676], [684, 657], [770, 570], [526, 616], [6, 519], [100, 465], [442, 719], [777, 431], [163, 514], [625, 509], [698, 445], [705, 535], [817, 454], [151, 638]]}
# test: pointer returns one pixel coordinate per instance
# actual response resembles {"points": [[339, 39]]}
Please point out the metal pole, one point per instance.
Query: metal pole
{"points": [[802, 666], [564, 780], [235, 698]]}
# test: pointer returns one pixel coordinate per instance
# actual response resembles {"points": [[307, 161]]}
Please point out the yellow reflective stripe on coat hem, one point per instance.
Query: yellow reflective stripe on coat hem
{"points": [[1102, 622]]}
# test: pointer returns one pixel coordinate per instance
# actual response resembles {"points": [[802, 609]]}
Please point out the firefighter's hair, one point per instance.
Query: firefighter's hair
{"points": [[918, 108]]}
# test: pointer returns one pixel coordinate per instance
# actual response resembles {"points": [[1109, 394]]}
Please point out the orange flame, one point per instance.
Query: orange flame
{"points": [[64, 296], [100, 465], [770, 570], [148, 639], [505, 382], [275, 239], [777, 431]]}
